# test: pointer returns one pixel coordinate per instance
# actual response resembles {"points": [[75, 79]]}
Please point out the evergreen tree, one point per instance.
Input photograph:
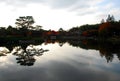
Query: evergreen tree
{"points": [[110, 18], [102, 21], [24, 22]]}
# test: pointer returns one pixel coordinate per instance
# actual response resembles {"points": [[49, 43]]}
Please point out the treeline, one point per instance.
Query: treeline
{"points": [[110, 28], [24, 28], [21, 32]]}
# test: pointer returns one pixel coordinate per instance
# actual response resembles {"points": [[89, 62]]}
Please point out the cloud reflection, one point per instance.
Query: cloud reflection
{"points": [[69, 64]]}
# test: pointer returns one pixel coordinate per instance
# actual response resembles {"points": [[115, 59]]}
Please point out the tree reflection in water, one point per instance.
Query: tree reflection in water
{"points": [[106, 49], [25, 57], [25, 53], [3, 51]]}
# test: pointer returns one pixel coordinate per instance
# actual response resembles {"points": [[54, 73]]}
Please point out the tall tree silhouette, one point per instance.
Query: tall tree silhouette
{"points": [[102, 21], [110, 18], [24, 22]]}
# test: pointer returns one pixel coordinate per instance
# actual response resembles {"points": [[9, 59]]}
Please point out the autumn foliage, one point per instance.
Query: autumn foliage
{"points": [[92, 32], [109, 29], [104, 28]]}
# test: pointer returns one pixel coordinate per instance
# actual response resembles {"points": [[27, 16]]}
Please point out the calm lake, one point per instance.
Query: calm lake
{"points": [[60, 61]]}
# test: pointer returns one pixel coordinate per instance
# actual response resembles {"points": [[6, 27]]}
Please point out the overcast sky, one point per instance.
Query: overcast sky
{"points": [[55, 14]]}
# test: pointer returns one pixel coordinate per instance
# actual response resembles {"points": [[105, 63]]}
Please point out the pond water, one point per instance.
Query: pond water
{"points": [[58, 62]]}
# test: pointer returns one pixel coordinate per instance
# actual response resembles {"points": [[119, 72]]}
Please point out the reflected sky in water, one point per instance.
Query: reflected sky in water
{"points": [[66, 63]]}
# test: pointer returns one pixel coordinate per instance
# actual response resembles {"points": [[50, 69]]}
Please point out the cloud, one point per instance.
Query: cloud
{"points": [[59, 13], [108, 7], [20, 3], [81, 7], [62, 3], [54, 3]]}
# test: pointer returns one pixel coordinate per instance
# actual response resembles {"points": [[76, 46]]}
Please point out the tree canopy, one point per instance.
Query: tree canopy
{"points": [[25, 22]]}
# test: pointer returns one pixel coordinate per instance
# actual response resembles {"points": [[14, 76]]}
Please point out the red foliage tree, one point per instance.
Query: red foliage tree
{"points": [[104, 29]]}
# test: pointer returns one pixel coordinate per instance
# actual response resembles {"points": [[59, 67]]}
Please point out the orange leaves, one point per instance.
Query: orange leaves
{"points": [[104, 26], [85, 33], [91, 32], [52, 33], [104, 29]]}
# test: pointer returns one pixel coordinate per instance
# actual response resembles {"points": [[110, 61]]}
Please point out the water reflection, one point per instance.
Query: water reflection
{"points": [[106, 49], [3, 51], [25, 57], [25, 52], [67, 60]]}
